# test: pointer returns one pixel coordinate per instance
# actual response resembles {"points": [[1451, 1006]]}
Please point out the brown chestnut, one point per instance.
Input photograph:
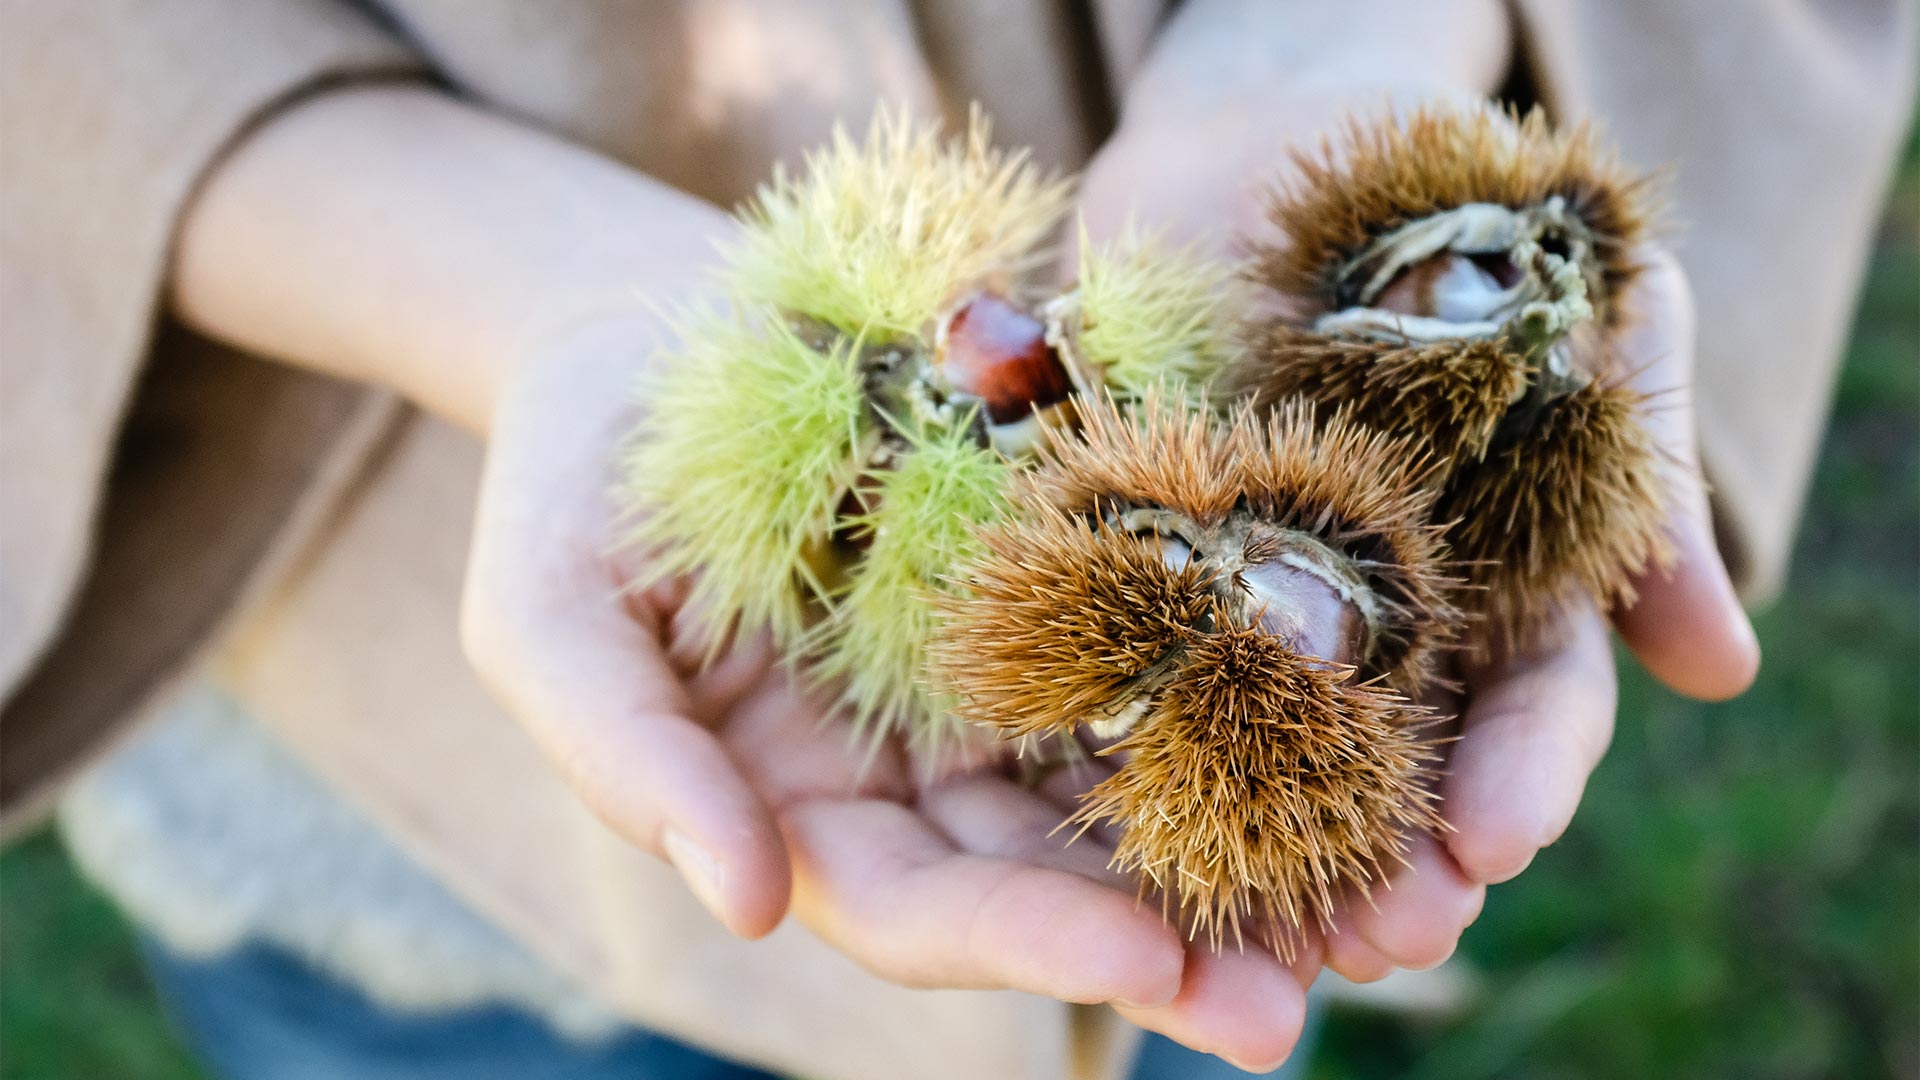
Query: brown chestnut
{"points": [[991, 350]]}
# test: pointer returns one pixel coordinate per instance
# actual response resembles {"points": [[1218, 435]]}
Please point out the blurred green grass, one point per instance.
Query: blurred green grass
{"points": [[1739, 896], [74, 1001]]}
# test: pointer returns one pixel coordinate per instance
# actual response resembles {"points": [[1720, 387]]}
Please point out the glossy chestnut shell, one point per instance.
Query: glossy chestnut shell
{"points": [[995, 352]]}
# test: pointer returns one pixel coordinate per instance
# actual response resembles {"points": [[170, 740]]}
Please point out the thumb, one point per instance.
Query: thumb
{"points": [[1686, 624], [547, 627]]}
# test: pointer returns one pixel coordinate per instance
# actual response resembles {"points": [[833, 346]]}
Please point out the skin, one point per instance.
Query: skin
{"points": [[512, 283]]}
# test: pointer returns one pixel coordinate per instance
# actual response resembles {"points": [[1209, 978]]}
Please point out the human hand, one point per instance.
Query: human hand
{"points": [[952, 878], [1532, 725]]}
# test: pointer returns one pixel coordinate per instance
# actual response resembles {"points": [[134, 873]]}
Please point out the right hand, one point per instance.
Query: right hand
{"points": [[491, 274], [728, 772]]}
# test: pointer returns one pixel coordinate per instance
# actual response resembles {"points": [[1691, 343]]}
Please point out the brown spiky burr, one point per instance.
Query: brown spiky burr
{"points": [[1457, 278], [1244, 604]]}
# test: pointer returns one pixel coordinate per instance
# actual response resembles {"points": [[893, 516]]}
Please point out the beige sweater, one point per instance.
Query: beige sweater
{"points": [[166, 503]]}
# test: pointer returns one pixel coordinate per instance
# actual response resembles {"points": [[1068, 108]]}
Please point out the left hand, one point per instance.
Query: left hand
{"points": [[1195, 159]]}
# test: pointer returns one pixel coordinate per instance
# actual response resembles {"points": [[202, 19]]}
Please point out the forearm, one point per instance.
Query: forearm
{"points": [[396, 236]]}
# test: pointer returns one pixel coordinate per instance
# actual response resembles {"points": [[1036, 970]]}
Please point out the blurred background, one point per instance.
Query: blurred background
{"points": [[1739, 896]]}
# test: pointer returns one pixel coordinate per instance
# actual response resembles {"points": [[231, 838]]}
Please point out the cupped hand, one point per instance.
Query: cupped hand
{"points": [[734, 772]]}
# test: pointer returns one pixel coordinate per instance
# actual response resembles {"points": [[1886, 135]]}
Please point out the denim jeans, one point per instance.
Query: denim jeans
{"points": [[262, 1014]]}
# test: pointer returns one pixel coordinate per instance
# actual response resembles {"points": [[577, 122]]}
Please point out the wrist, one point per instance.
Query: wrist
{"points": [[605, 310]]}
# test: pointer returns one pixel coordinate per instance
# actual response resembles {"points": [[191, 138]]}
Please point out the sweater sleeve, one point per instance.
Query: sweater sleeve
{"points": [[146, 477]]}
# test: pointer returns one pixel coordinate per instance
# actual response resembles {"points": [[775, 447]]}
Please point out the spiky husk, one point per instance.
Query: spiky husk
{"points": [[1258, 781], [1264, 785], [876, 635], [747, 441], [1059, 616], [1153, 315], [1567, 503], [1162, 452], [1573, 507], [758, 426], [1361, 492], [1382, 174], [1355, 488], [1446, 398], [880, 235]]}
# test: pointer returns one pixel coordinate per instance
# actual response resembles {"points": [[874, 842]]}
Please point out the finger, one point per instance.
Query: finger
{"points": [[1534, 729], [1350, 957], [1686, 625], [558, 648], [990, 815], [1247, 1007], [882, 885], [1416, 921]]}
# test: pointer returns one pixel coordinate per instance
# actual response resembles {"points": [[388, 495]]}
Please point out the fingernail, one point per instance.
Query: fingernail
{"points": [[1254, 1069], [700, 870]]}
